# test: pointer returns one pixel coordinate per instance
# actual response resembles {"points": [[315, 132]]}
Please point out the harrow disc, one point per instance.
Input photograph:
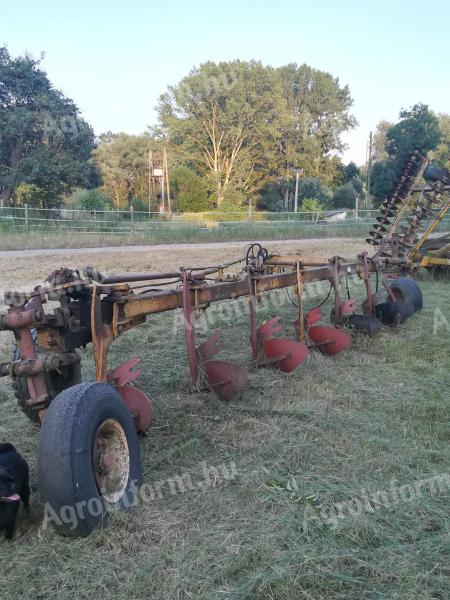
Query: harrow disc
{"points": [[329, 339], [289, 352], [225, 379]]}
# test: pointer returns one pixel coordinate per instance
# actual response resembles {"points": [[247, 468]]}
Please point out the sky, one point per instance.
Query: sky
{"points": [[114, 58]]}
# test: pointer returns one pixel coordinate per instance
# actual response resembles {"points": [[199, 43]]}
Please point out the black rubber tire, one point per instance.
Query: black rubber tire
{"points": [[65, 458], [55, 382], [407, 290]]}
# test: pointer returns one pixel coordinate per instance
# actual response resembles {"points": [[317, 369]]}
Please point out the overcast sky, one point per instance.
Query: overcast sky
{"points": [[114, 58]]}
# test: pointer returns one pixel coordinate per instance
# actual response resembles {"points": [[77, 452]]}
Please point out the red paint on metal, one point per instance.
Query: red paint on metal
{"points": [[252, 300], [211, 346], [139, 405], [329, 339], [269, 328], [124, 373], [225, 379], [312, 316], [189, 329], [348, 307], [368, 306], [291, 353], [27, 349]]}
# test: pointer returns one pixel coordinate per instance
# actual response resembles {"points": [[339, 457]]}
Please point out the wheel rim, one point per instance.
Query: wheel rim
{"points": [[111, 460]]}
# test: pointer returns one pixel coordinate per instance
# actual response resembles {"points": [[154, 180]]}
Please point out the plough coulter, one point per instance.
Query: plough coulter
{"points": [[88, 447]]}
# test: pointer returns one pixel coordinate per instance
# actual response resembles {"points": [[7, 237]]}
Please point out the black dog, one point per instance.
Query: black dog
{"points": [[14, 487]]}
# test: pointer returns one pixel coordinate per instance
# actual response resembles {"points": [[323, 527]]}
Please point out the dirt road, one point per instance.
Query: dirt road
{"points": [[158, 248]]}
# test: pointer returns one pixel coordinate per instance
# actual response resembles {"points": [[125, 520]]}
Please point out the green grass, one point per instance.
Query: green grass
{"points": [[175, 233], [323, 434]]}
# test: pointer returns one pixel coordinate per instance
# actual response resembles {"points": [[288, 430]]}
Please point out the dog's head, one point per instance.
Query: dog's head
{"points": [[8, 486]]}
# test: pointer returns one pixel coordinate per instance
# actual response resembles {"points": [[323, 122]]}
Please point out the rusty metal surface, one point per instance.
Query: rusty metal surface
{"points": [[286, 355], [32, 366], [139, 405], [225, 379], [189, 330], [156, 302], [212, 346], [102, 336], [100, 307], [329, 340]]}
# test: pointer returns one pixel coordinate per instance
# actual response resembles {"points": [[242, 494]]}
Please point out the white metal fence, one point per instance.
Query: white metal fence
{"points": [[17, 219]]}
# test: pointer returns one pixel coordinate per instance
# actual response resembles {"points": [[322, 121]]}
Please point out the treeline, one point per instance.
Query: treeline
{"points": [[233, 131]]}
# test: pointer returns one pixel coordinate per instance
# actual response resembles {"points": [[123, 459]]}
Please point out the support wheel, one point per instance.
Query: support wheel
{"points": [[88, 458], [407, 290]]}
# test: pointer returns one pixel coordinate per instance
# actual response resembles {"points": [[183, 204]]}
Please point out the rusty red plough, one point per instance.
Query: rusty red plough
{"points": [[105, 416]]}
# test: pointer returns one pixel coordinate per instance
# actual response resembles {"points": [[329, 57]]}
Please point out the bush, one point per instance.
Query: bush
{"points": [[344, 196], [233, 200], [139, 205], [36, 197], [311, 205], [94, 199], [312, 187], [189, 191], [270, 198]]}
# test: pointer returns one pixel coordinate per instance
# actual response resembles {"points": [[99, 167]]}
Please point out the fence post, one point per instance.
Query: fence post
{"points": [[132, 219], [26, 217], [250, 209]]}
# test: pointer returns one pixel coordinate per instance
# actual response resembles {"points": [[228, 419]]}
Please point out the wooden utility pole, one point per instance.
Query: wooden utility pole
{"points": [[166, 177], [150, 181], [369, 173]]}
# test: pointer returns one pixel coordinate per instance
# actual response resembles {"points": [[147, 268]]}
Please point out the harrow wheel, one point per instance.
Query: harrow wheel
{"points": [[88, 458], [56, 382]]}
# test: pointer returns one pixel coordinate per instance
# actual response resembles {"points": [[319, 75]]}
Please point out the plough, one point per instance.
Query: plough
{"points": [[88, 446]]}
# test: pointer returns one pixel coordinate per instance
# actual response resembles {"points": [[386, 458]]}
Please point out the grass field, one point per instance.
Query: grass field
{"points": [[265, 525], [176, 233]]}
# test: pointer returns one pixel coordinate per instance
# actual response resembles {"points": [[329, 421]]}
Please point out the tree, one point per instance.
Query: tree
{"points": [[122, 160], [94, 199], [314, 117], [221, 121], [442, 154], [190, 194], [380, 141], [313, 188], [417, 129], [344, 196], [44, 143]]}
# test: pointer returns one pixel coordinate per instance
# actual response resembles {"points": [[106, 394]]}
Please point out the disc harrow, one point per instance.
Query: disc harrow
{"points": [[412, 213], [400, 197]]}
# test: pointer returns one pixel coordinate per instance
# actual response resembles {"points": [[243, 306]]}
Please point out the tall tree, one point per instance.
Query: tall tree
{"points": [[314, 117], [221, 121], [380, 141], [44, 143], [417, 129], [122, 160], [441, 156]]}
